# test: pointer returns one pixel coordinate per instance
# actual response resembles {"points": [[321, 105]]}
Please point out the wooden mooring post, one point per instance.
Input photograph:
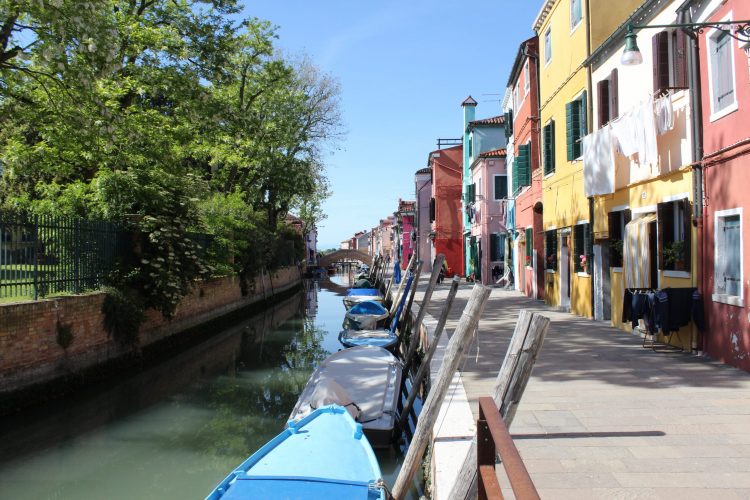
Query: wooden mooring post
{"points": [[400, 285], [454, 355], [510, 384], [425, 365]]}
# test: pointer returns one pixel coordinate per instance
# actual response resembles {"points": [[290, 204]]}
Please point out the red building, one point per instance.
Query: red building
{"points": [[445, 207], [527, 173], [725, 91]]}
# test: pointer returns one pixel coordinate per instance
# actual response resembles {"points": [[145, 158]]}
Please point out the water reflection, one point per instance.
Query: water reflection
{"points": [[173, 431]]}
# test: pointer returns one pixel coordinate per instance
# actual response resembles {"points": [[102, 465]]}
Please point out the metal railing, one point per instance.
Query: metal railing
{"points": [[494, 439], [43, 255]]}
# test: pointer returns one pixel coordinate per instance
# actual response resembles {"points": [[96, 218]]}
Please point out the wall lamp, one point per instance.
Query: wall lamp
{"points": [[631, 56]]}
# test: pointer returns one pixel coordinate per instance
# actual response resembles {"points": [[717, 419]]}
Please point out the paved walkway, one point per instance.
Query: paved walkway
{"points": [[604, 418]]}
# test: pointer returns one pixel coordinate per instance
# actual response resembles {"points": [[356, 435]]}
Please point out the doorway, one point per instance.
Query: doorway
{"points": [[564, 269]]}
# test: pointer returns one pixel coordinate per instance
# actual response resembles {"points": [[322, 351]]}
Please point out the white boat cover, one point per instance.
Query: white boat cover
{"points": [[364, 378]]}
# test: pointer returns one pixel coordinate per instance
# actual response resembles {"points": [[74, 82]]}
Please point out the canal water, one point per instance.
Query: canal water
{"points": [[175, 430]]}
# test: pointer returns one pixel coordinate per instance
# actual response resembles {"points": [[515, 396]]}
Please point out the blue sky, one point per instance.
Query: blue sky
{"points": [[404, 68]]}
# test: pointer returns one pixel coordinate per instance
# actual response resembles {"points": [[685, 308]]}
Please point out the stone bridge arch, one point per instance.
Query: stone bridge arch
{"points": [[340, 255]]}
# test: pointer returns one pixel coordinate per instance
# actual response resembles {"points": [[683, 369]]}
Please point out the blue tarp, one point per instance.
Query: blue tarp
{"points": [[397, 272]]}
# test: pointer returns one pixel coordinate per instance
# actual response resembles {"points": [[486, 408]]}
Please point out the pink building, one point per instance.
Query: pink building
{"points": [[487, 212], [725, 90], [405, 219]]}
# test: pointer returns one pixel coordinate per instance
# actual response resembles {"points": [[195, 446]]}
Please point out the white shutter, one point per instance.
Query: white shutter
{"points": [[732, 276]]}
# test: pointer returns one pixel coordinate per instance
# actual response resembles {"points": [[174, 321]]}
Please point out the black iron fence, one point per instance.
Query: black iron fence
{"points": [[43, 255]]}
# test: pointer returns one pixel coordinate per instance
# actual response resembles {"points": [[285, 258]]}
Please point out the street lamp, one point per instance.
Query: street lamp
{"points": [[631, 56]]}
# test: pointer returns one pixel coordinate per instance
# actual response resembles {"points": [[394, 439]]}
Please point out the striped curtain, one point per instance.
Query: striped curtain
{"points": [[637, 258]]}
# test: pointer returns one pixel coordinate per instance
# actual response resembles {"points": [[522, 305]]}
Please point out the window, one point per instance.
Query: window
{"points": [[522, 168], [721, 65], [728, 253], [501, 187], [607, 99], [617, 222], [550, 249], [471, 137], [516, 97], [670, 60], [526, 78], [674, 228], [548, 45], [497, 247], [548, 137], [582, 247], [576, 13], [575, 124], [529, 246], [508, 123], [432, 209], [470, 194]]}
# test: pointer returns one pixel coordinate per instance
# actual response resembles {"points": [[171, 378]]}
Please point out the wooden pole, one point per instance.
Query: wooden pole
{"points": [[401, 285], [454, 355], [422, 372], [414, 340], [407, 310], [374, 269], [510, 383]]}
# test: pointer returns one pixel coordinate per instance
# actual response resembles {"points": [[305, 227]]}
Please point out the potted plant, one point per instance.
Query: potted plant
{"points": [[584, 263], [617, 245], [673, 255]]}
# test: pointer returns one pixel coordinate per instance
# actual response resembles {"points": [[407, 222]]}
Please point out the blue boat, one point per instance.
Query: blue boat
{"points": [[368, 314], [378, 337], [322, 456]]}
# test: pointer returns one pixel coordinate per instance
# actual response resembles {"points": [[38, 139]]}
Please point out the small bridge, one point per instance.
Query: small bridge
{"points": [[341, 255]]}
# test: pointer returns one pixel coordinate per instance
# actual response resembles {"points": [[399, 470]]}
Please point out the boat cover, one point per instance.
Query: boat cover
{"points": [[370, 377], [323, 456]]}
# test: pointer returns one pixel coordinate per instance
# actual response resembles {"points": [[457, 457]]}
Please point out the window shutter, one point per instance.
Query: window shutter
{"points": [[514, 185], [552, 146], [554, 247], [432, 209], [627, 216], [660, 46], [570, 136], [614, 96], [584, 127], [661, 216], [546, 147], [688, 226], [588, 241], [473, 192], [529, 243], [524, 174], [602, 102], [679, 56], [730, 273]]}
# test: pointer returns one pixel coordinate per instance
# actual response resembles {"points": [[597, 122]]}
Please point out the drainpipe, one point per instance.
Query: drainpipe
{"points": [[590, 119], [696, 130]]}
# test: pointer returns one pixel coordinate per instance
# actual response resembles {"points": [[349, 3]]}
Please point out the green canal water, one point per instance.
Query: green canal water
{"points": [[173, 431]]}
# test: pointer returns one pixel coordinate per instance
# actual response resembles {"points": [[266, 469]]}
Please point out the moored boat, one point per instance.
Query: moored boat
{"points": [[366, 380], [357, 295], [323, 455], [366, 315]]}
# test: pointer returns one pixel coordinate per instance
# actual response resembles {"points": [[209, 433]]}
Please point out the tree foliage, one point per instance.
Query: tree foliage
{"points": [[171, 117]]}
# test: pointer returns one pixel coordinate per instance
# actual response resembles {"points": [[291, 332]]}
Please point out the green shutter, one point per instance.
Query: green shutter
{"points": [[569, 136], [529, 243], [514, 169], [524, 170], [584, 122], [573, 128]]}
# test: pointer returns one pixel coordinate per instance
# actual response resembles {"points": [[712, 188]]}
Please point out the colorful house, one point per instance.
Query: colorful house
{"points": [[423, 195], [725, 84], [562, 29], [480, 136], [446, 213], [405, 230], [638, 167], [526, 180]]}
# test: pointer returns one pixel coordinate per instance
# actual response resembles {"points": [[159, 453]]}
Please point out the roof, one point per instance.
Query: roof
{"points": [[494, 121], [425, 170], [469, 101], [543, 13], [520, 57], [406, 206], [494, 153]]}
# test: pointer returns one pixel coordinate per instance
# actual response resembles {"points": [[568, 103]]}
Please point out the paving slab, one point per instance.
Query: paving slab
{"points": [[602, 417]]}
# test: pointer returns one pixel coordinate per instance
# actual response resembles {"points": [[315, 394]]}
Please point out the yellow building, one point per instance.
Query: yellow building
{"points": [[562, 28]]}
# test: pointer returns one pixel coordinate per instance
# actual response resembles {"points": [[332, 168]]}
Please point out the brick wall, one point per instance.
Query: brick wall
{"points": [[30, 353]]}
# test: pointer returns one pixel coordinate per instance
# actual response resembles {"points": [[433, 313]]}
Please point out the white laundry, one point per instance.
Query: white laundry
{"points": [[624, 130], [635, 132], [664, 114], [598, 163]]}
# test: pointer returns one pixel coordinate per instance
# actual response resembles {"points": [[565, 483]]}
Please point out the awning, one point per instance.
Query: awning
{"points": [[636, 252]]}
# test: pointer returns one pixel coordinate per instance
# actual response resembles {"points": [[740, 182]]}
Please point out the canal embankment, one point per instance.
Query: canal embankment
{"points": [[50, 344]]}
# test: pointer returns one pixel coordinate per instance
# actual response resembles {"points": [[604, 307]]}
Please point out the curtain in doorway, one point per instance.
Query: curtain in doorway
{"points": [[636, 252]]}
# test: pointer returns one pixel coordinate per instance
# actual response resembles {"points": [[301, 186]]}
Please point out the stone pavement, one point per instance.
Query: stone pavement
{"points": [[603, 417]]}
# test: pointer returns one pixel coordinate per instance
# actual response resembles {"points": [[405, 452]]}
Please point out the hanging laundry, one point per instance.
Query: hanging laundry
{"points": [[664, 114], [635, 133], [624, 130], [598, 163]]}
